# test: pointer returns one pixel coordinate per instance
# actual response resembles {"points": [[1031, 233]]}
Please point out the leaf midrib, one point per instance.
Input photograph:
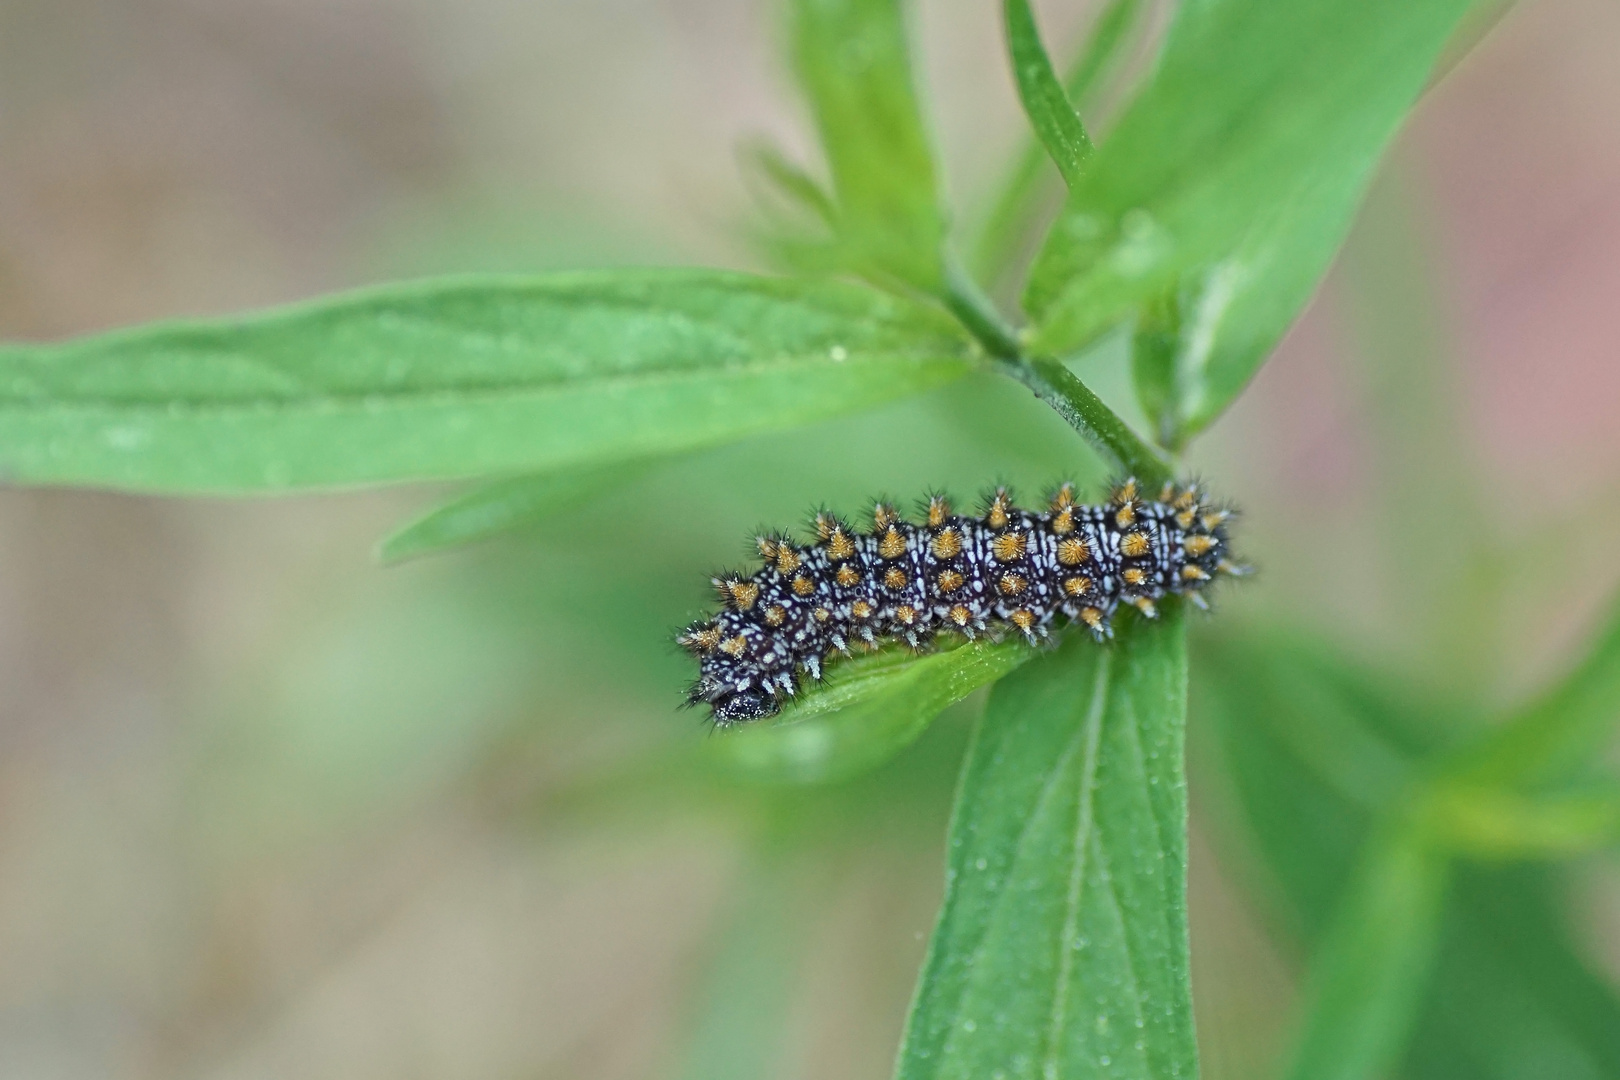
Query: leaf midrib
{"points": [[1092, 727], [474, 393], [1003, 895]]}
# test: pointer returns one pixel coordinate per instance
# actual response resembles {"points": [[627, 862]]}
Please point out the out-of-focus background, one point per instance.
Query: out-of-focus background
{"points": [[267, 809]]}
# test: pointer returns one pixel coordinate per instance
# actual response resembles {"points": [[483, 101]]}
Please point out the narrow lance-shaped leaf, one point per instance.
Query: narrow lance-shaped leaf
{"points": [[1233, 178], [797, 219], [445, 380], [496, 508], [1493, 824], [1154, 349], [764, 160], [1010, 219], [1368, 977], [1046, 102], [853, 59], [1509, 971], [1515, 971], [868, 710], [1062, 946]]}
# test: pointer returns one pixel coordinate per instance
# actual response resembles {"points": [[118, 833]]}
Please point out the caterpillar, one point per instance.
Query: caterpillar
{"points": [[1007, 568]]}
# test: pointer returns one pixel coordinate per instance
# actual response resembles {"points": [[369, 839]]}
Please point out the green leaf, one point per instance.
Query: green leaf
{"points": [[867, 710], [1046, 102], [1011, 218], [797, 219], [493, 509], [1154, 348], [853, 60], [1510, 997], [1368, 977], [1062, 946], [1513, 999], [1489, 823], [454, 379], [1298, 747], [1233, 177], [764, 160]]}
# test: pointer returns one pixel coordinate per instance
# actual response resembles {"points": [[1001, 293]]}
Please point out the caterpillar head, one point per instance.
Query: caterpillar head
{"points": [[753, 703]]}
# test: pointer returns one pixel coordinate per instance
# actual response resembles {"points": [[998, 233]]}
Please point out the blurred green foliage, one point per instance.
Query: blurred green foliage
{"points": [[853, 59]]}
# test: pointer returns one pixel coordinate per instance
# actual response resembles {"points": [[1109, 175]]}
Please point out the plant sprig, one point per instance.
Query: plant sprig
{"points": [[1203, 222]]}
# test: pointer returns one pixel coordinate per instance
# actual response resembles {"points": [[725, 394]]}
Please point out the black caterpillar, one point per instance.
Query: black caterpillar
{"points": [[1009, 567]]}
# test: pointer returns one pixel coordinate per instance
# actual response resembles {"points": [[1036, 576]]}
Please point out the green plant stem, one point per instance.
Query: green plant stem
{"points": [[1074, 401], [1052, 382], [979, 314]]}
